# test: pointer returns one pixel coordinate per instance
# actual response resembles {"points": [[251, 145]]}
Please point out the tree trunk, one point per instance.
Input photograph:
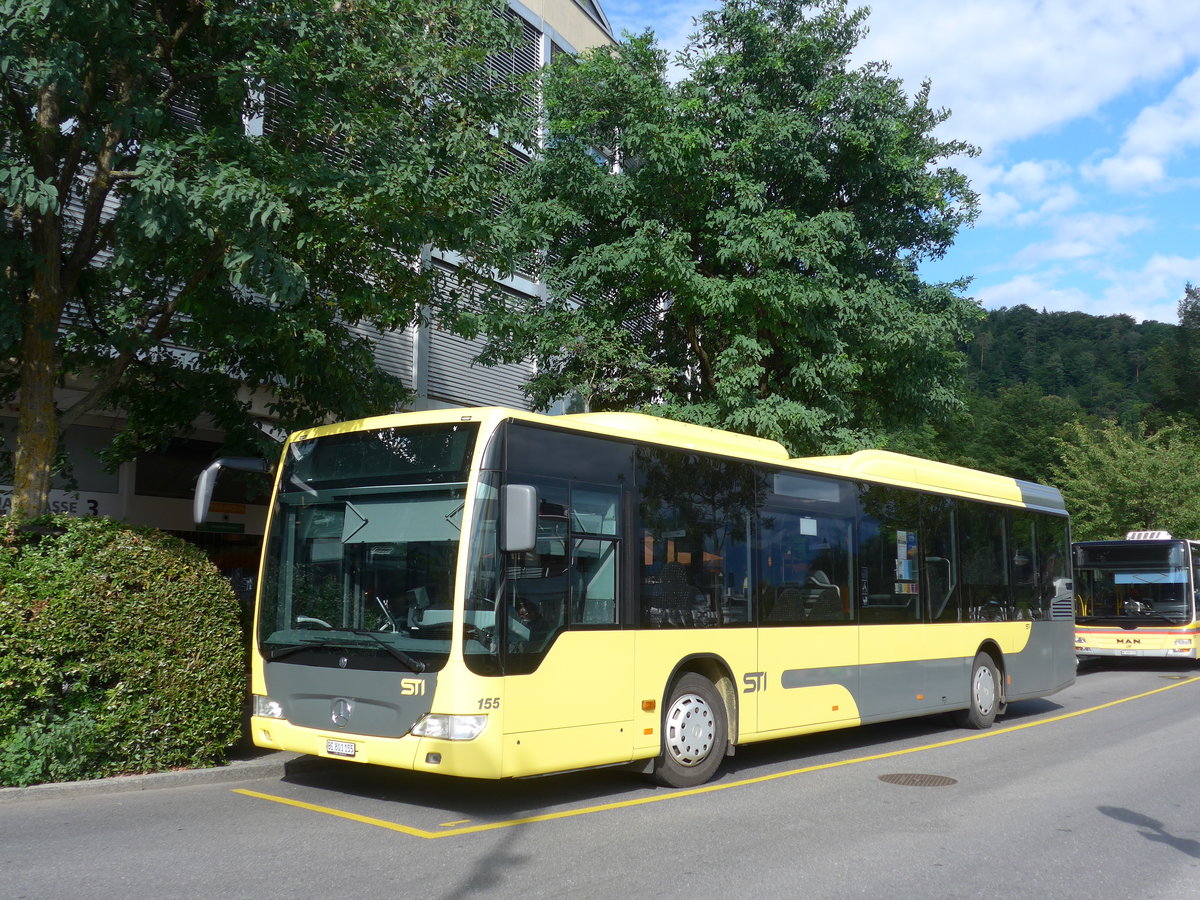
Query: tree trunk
{"points": [[37, 421]]}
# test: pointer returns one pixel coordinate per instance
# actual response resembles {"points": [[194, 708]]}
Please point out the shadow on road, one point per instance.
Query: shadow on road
{"points": [[1186, 668], [1152, 830], [495, 800]]}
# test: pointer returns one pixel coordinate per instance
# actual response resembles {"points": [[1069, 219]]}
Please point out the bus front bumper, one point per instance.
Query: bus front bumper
{"points": [[478, 758]]}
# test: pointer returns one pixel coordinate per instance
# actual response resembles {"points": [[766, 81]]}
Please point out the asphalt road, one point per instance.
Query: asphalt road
{"points": [[1090, 793]]}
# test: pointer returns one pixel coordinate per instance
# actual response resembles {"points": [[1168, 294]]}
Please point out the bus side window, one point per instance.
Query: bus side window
{"points": [[939, 558], [595, 527], [539, 581], [596, 565], [981, 539], [1053, 560], [804, 566], [890, 546], [1022, 556], [695, 515]]}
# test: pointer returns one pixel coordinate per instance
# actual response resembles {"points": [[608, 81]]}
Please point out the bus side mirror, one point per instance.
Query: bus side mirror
{"points": [[520, 518], [208, 480]]}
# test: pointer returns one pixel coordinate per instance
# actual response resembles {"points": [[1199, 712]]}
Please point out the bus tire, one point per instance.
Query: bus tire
{"points": [[984, 694], [695, 733]]}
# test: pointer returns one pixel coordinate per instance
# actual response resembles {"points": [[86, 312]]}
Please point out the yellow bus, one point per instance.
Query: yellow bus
{"points": [[1137, 597], [494, 594]]}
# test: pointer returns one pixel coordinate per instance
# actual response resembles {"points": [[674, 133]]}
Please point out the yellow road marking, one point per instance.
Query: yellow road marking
{"points": [[692, 792]]}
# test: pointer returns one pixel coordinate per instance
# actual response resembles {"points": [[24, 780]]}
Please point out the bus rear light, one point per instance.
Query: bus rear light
{"points": [[449, 728]]}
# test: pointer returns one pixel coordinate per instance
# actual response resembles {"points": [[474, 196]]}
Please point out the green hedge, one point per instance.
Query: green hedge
{"points": [[120, 652]]}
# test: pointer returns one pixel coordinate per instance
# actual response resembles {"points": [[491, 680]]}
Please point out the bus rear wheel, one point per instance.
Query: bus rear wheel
{"points": [[984, 693], [695, 733]]}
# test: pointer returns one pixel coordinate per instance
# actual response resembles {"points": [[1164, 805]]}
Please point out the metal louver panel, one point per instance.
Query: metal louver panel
{"points": [[455, 377], [1062, 607], [393, 349]]}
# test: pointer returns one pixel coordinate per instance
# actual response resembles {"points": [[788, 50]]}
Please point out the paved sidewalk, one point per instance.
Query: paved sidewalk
{"points": [[256, 765]]}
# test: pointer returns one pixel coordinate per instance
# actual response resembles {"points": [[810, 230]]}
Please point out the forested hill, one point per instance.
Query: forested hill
{"points": [[1050, 390], [1112, 366]]}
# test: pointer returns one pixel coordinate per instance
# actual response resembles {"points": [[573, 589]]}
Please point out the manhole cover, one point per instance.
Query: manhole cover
{"points": [[911, 780]]}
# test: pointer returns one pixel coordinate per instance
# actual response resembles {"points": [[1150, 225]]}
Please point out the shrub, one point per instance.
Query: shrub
{"points": [[120, 652]]}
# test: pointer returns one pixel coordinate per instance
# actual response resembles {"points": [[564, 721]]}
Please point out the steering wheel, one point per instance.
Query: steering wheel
{"points": [[390, 623]]}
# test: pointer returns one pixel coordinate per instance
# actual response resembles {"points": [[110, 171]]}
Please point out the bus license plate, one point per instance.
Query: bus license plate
{"points": [[340, 748]]}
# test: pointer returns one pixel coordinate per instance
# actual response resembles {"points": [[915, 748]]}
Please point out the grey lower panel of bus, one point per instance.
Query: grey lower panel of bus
{"points": [[1044, 666], [889, 690], [354, 701]]}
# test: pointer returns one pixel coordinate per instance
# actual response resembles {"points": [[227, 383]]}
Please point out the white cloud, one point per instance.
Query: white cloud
{"points": [[1151, 291], [1083, 236], [1024, 194], [1154, 290], [1158, 134], [1022, 67], [1037, 291]]}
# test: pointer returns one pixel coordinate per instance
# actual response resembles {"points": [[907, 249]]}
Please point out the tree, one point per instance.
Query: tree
{"points": [[756, 227], [201, 198], [1014, 433], [1179, 362], [1115, 480]]}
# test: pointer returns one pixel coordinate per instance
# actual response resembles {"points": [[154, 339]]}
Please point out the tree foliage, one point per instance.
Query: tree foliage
{"points": [[1014, 432], [1116, 480], [755, 227], [1114, 367], [202, 197], [1031, 375]]}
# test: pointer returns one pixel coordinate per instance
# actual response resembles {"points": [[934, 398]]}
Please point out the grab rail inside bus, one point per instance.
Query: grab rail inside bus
{"points": [[208, 480]]}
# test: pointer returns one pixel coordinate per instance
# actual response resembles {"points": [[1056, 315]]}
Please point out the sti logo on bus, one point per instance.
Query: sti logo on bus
{"points": [[754, 682], [412, 687]]}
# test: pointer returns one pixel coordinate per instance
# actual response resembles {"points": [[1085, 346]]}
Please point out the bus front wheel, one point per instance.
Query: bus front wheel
{"points": [[984, 692], [695, 733]]}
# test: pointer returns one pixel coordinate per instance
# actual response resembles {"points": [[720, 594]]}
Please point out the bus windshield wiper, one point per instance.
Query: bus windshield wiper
{"points": [[1170, 620], [409, 662], [288, 649], [412, 664]]}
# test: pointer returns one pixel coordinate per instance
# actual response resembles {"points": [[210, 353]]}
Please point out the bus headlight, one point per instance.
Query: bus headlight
{"points": [[265, 706], [1183, 642], [449, 728]]}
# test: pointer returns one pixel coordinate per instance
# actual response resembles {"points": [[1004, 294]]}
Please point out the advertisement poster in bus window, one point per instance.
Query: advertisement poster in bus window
{"points": [[906, 553]]}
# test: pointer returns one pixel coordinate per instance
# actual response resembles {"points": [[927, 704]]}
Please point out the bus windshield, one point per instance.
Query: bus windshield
{"points": [[362, 549], [1148, 583]]}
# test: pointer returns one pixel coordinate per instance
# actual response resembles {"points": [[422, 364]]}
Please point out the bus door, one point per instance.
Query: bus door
{"points": [[568, 667], [807, 646], [907, 586]]}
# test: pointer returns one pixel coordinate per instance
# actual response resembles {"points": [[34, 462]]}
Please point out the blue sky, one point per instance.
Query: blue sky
{"points": [[1087, 113]]}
